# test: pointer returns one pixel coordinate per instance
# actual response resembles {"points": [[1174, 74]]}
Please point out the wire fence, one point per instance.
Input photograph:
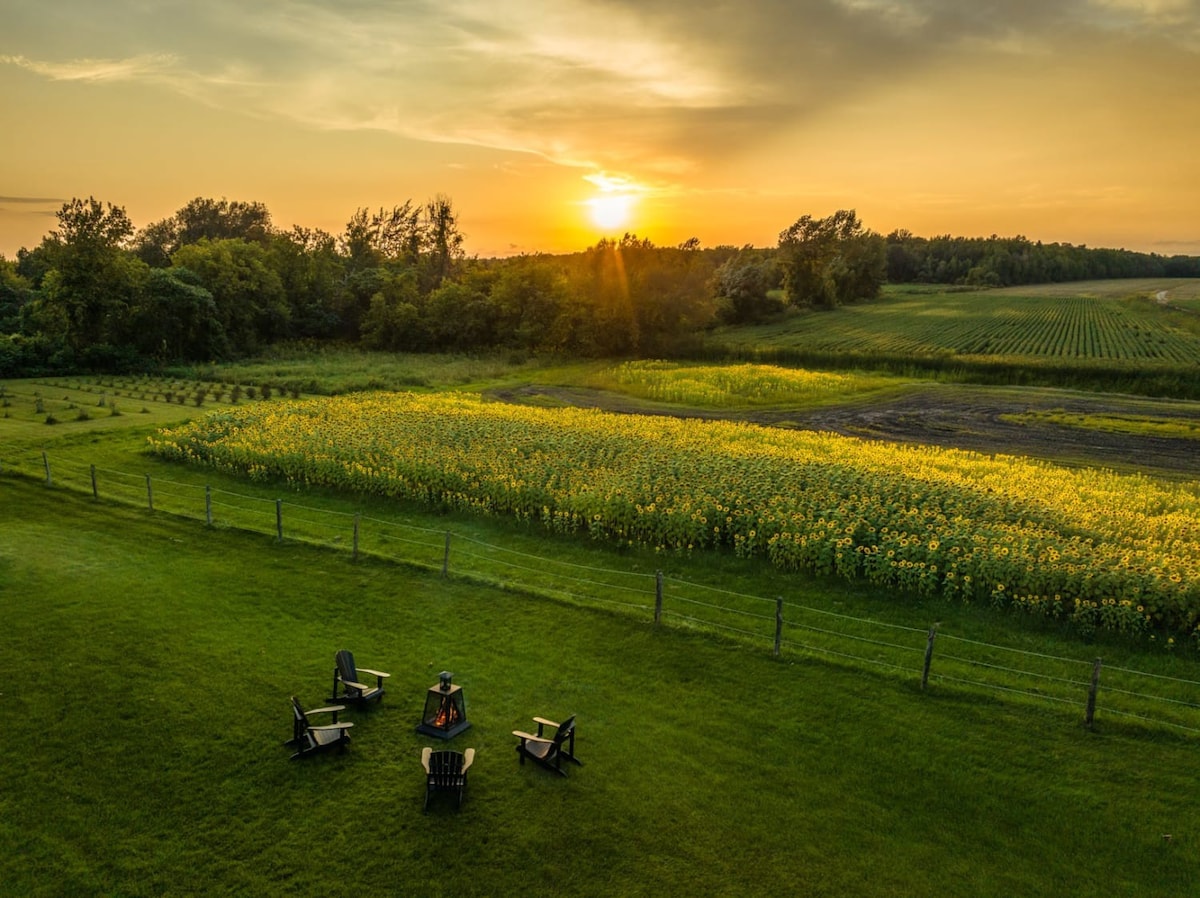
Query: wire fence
{"points": [[929, 657]]}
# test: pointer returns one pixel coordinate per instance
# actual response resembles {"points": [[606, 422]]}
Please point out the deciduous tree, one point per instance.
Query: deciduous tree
{"points": [[830, 261]]}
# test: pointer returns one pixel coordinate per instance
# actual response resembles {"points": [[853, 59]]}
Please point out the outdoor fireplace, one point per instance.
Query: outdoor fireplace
{"points": [[445, 709]]}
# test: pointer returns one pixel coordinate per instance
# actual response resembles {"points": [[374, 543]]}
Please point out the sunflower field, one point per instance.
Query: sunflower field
{"points": [[1105, 551]]}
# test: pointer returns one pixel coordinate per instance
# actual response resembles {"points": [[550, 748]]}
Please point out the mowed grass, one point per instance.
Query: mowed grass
{"points": [[149, 662]]}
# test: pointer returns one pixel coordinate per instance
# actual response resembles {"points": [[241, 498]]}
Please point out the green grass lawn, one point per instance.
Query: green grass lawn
{"points": [[148, 663]]}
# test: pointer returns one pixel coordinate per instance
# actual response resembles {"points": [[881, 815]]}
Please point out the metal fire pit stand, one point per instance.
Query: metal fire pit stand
{"points": [[445, 710]]}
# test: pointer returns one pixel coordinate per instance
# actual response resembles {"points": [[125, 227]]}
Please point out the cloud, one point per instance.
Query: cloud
{"points": [[661, 87], [29, 206], [94, 69]]}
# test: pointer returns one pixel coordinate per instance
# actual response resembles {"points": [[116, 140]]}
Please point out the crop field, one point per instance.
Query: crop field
{"points": [[29, 408], [738, 386], [1106, 551], [1066, 325]]}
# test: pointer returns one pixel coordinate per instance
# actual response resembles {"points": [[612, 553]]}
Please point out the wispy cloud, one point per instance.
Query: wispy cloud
{"points": [[95, 69], [662, 88]]}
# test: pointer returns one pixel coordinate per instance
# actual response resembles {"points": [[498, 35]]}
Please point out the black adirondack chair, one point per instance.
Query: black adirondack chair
{"points": [[446, 771], [347, 686], [549, 752], [308, 739]]}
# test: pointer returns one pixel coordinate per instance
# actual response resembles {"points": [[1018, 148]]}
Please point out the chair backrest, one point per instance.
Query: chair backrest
{"points": [[445, 768], [299, 719], [345, 665], [565, 729]]}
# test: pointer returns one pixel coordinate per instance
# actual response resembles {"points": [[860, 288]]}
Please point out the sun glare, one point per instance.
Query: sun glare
{"points": [[611, 211]]}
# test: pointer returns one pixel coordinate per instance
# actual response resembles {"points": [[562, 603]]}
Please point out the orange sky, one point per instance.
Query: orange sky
{"points": [[1075, 121]]}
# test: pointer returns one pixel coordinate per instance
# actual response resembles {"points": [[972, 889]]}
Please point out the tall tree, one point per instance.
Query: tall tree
{"points": [[830, 261], [743, 285], [310, 270], [205, 218], [247, 290], [530, 294], [175, 319], [15, 294], [92, 278], [442, 245]]}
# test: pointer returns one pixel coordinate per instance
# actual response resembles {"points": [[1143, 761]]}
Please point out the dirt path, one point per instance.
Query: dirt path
{"points": [[955, 417]]}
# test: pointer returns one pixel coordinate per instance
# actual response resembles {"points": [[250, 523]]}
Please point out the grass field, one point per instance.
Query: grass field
{"points": [[1077, 323], [1111, 335], [144, 756], [334, 370]]}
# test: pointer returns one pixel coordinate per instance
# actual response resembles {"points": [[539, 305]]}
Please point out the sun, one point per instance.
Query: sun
{"points": [[611, 211]]}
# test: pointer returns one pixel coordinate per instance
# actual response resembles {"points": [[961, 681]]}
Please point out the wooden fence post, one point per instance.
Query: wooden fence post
{"points": [[778, 624], [279, 520], [95, 492], [149, 494], [446, 556], [208, 505], [354, 556], [1090, 714], [658, 590], [928, 656], [46, 465]]}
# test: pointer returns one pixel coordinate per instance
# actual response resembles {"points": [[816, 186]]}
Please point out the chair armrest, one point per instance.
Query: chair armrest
{"points": [[327, 709], [544, 722], [333, 726], [468, 757], [374, 673], [528, 737], [425, 753], [362, 686]]}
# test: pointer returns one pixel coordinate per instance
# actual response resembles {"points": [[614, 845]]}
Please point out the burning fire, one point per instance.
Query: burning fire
{"points": [[447, 714]]}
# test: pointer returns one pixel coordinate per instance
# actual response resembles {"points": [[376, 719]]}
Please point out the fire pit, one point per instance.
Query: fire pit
{"points": [[445, 709]]}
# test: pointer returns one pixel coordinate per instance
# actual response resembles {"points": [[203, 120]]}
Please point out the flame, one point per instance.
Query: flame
{"points": [[447, 715]]}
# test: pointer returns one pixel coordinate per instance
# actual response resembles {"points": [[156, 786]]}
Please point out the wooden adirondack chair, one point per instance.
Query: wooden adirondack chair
{"points": [[446, 771], [308, 739], [346, 683], [549, 752]]}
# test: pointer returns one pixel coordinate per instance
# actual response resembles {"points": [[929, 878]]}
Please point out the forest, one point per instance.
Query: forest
{"points": [[218, 280]]}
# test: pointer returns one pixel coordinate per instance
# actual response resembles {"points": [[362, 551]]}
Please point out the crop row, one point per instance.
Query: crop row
{"points": [[1075, 328], [1119, 552]]}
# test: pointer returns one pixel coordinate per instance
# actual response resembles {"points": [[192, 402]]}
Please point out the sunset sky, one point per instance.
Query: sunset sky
{"points": [[551, 124]]}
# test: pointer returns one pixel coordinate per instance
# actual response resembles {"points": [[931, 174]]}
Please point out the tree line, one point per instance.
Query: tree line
{"points": [[217, 280], [1012, 261]]}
